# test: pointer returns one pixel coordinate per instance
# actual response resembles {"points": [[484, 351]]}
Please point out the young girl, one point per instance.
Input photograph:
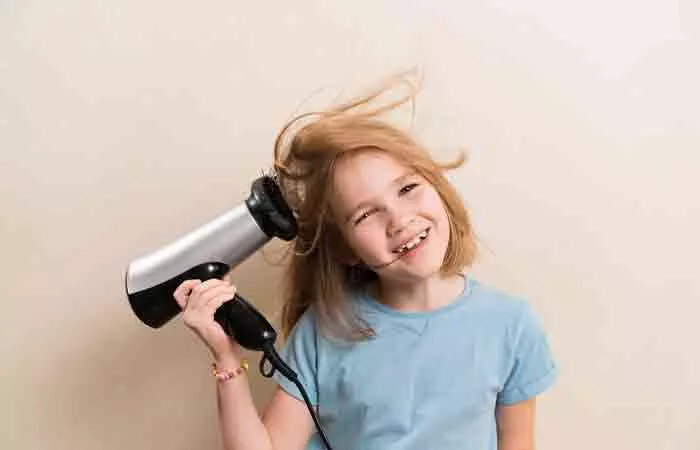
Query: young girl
{"points": [[395, 345]]}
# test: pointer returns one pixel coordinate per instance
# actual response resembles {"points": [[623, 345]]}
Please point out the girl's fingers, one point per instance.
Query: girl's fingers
{"points": [[183, 292], [200, 316], [206, 285], [216, 302], [195, 300], [206, 296]]}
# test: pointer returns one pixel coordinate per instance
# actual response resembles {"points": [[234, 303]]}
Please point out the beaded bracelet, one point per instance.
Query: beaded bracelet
{"points": [[224, 375]]}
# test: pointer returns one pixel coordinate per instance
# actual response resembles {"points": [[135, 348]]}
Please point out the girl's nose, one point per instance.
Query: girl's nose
{"points": [[398, 220]]}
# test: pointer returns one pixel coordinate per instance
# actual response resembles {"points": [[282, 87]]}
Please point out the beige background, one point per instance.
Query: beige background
{"points": [[124, 124]]}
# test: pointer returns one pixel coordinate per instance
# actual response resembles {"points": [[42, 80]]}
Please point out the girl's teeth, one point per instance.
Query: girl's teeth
{"points": [[415, 241]]}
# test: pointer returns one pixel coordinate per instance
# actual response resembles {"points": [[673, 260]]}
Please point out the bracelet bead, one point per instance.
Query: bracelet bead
{"points": [[225, 374]]}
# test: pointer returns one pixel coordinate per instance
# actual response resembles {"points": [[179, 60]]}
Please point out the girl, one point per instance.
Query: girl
{"points": [[396, 346]]}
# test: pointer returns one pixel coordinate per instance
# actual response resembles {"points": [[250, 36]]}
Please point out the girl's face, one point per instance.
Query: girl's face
{"points": [[391, 217]]}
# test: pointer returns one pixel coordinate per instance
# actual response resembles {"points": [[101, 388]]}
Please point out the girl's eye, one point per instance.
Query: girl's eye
{"points": [[363, 216], [408, 188]]}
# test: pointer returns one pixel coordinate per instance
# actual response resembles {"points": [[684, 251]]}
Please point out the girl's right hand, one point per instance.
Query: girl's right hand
{"points": [[199, 301]]}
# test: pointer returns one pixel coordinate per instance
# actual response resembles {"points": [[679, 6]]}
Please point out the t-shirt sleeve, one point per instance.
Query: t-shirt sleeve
{"points": [[531, 369], [300, 353]]}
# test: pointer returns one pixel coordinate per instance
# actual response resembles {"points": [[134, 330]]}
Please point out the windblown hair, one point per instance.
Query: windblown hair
{"points": [[306, 152]]}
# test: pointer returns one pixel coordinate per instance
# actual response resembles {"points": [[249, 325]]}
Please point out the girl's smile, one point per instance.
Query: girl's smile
{"points": [[412, 244]]}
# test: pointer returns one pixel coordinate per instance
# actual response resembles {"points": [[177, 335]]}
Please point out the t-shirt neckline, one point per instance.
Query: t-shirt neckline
{"points": [[456, 303]]}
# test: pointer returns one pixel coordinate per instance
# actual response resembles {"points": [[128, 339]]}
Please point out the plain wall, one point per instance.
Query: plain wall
{"points": [[125, 124]]}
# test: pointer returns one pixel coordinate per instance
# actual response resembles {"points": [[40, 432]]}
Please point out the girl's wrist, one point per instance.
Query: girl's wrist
{"points": [[225, 373], [229, 358]]}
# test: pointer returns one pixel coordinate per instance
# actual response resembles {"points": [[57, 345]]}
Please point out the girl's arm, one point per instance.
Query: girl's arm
{"points": [[516, 425], [286, 424], [288, 421]]}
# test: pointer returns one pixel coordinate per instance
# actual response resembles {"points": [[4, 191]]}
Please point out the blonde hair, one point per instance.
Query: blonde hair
{"points": [[304, 160]]}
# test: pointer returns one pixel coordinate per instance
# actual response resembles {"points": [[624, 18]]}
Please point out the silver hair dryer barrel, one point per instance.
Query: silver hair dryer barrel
{"points": [[208, 251]]}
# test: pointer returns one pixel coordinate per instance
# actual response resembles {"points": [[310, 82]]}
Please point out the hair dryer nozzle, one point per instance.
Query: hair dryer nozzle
{"points": [[270, 210]]}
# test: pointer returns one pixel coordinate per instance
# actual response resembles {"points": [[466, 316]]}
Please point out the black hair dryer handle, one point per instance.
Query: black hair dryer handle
{"points": [[245, 324], [237, 317]]}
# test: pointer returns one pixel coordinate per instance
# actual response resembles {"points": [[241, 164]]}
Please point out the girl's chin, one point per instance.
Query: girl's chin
{"points": [[415, 267]]}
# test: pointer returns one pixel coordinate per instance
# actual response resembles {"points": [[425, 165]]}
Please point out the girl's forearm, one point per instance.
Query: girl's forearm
{"points": [[241, 425]]}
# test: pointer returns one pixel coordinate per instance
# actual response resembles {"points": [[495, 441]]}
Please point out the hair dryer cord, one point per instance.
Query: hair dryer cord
{"points": [[276, 363]]}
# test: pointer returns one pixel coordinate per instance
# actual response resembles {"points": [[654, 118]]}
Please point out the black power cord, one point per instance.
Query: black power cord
{"points": [[276, 363]]}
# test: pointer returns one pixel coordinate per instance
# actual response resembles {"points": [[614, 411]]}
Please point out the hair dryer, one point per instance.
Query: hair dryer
{"points": [[209, 252]]}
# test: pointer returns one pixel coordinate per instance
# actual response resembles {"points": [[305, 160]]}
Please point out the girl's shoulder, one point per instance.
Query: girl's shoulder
{"points": [[306, 324], [495, 298], [498, 305], [514, 315]]}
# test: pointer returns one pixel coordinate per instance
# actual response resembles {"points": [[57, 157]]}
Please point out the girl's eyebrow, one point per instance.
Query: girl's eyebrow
{"points": [[363, 204]]}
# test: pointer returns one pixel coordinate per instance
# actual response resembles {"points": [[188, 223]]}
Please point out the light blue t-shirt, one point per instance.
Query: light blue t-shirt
{"points": [[427, 380]]}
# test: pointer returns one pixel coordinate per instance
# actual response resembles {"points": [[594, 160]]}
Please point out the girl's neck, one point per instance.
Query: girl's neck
{"points": [[419, 296]]}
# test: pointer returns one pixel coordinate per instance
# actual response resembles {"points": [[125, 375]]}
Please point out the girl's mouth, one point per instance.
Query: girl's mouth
{"points": [[412, 244]]}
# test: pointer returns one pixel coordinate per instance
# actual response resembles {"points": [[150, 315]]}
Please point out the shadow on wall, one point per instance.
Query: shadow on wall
{"points": [[129, 384]]}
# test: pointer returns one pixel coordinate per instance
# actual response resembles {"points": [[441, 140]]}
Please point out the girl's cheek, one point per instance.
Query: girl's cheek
{"points": [[357, 240], [366, 242]]}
